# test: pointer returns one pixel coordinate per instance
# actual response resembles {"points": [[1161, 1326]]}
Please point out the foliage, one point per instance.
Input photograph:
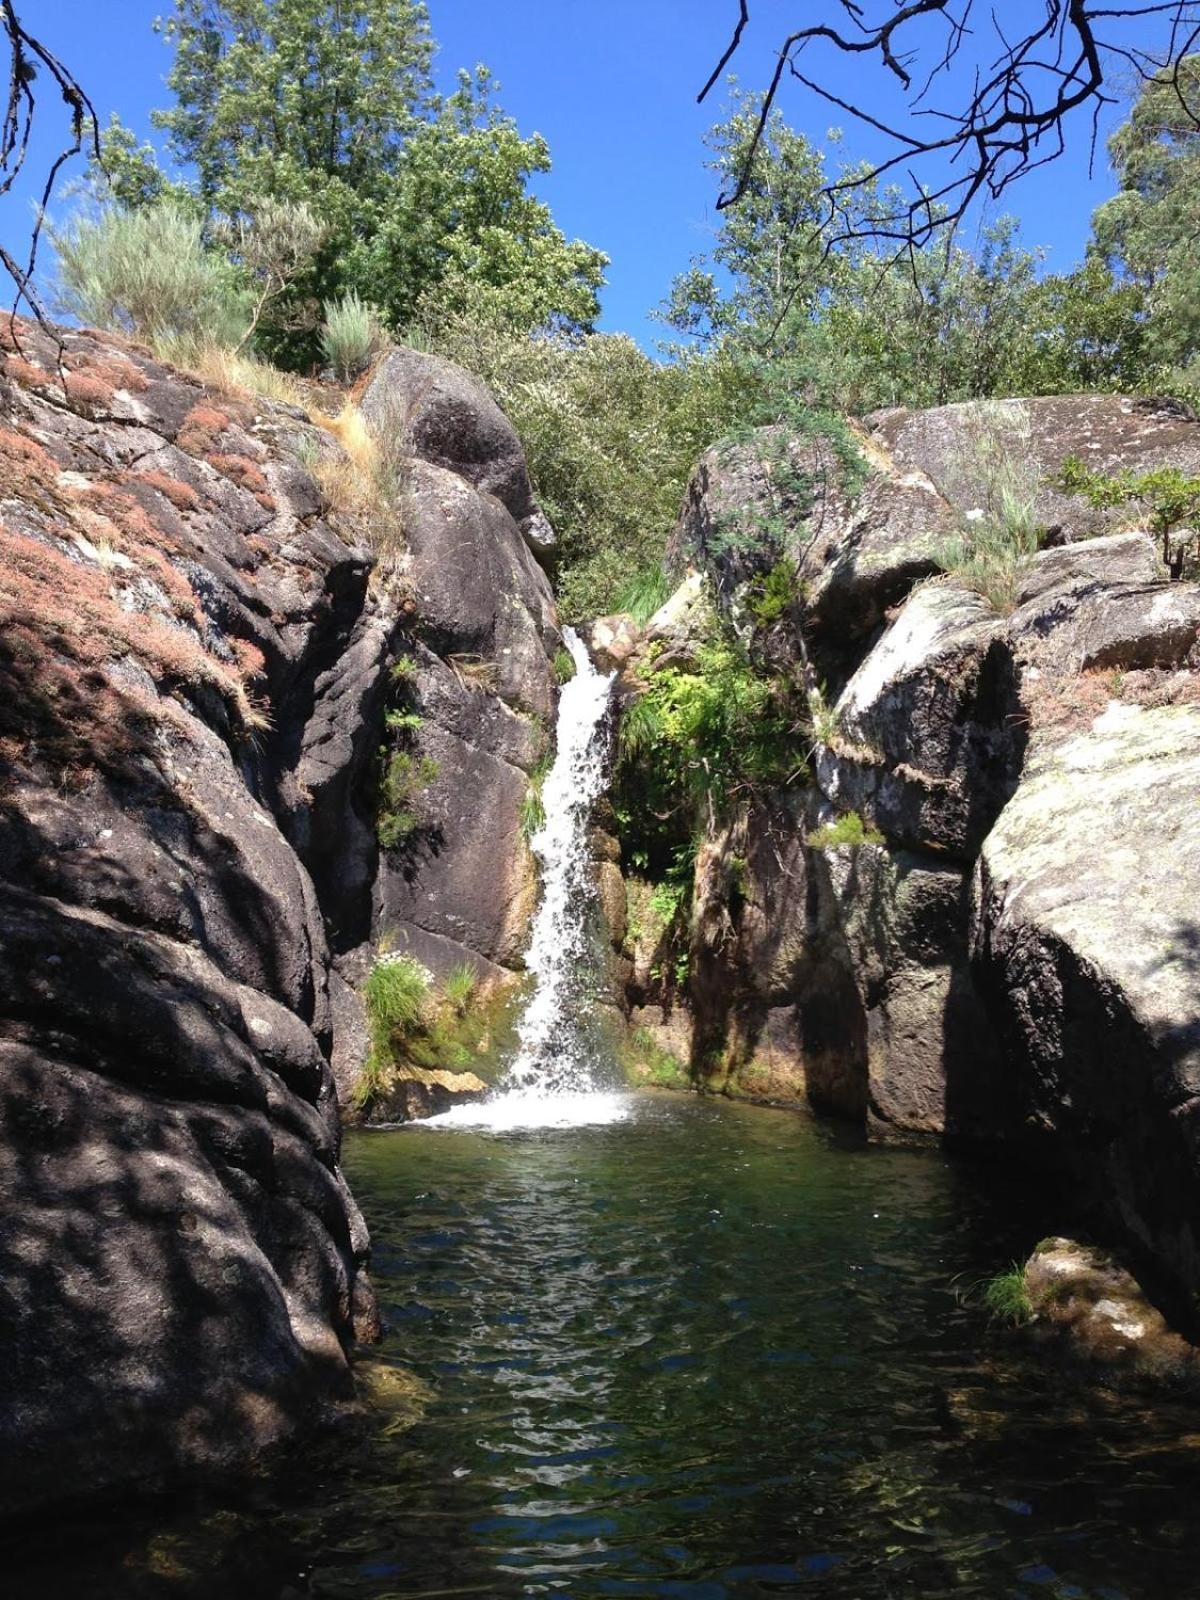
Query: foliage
{"points": [[273, 244], [646, 1062], [394, 995], [800, 454], [1167, 497], [1149, 228], [1007, 1298], [995, 469], [148, 273], [416, 1025], [351, 335], [862, 328], [564, 666], [643, 594], [848, 829], [698, 737], [330, 104], [404, 777], [460, 986], [533, 810]]}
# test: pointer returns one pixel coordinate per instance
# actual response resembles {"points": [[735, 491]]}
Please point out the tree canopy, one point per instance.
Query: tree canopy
{"points": [[330, 104]]}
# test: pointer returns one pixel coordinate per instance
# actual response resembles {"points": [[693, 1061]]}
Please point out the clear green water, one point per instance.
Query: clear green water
{"points": [[711, 1352]]}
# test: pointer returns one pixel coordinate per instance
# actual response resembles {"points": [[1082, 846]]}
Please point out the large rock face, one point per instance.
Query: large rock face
{"points": [[201, 677], [1087, 941], [1008, 956]]}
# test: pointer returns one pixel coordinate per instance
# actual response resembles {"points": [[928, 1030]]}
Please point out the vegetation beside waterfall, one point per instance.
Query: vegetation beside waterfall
{"points": [[429, 231]]}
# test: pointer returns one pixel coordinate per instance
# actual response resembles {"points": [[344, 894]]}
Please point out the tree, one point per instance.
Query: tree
{"points": [[330, 104], [1150, 231], [1009, 94], [849, 326]]}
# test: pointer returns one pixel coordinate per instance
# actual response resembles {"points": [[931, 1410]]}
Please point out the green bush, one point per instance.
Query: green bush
{"points": [[642, 595], [416, 1025], [849, 829], [395, 993], [351, 335], [148, 273], [1166, 497]]}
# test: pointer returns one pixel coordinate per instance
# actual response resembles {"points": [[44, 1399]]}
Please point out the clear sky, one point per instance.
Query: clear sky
{"points": [[612, 87]]}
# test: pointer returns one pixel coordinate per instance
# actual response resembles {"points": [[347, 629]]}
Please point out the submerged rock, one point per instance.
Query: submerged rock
{"points": [[1101, 1319]]}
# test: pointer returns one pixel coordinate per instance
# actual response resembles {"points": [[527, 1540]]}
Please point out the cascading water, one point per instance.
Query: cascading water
{"points": [[552, 1081]]}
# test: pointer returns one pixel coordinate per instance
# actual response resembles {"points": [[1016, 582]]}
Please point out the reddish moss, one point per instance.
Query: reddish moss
{"points": [[113, 371], [242, 471], [25, 373], [201, 430], [250, 659], [181, 495], [86, 391], [20, 447]]}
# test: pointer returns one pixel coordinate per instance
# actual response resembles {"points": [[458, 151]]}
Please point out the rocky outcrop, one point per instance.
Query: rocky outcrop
{"points": [[449, 419], [1086, 939], [205, 672], [975, 921]]}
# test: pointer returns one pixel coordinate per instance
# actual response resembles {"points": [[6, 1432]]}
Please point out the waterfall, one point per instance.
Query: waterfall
{"points": [[552, 1081]]}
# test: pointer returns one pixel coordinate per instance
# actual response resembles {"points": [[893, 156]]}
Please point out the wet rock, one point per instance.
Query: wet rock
{"points": [[1101, 1319], [611, 641]]}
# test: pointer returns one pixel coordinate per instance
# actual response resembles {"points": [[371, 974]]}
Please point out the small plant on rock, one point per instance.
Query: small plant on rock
{"points": [[1000, 531], [406, 775], [849, 829], [1007, 1298]]}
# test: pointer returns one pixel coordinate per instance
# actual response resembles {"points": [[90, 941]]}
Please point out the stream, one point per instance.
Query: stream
{"points": [[707, 1351]]}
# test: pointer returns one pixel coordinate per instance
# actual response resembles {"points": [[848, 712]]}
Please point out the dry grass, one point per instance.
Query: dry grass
{"points": [[242, 374], [474, 672]]}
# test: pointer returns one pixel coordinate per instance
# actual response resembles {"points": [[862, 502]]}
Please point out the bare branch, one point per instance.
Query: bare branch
{"points": [[27, 55], [1006, 119]]}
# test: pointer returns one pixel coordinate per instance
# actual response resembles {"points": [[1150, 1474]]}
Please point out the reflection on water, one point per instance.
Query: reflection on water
{"points": [[706, 1352]]}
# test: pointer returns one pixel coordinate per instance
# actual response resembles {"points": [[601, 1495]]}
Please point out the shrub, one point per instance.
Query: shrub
{"points": [[1000, 532], [351, 335], [147, 273], [1166, 497], [849, 829]]}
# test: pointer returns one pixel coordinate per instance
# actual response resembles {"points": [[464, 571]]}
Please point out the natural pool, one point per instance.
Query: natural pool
{"points": [[710, 1351]]}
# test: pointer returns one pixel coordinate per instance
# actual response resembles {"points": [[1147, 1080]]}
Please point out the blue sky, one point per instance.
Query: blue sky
{"points": [[615, 98]]}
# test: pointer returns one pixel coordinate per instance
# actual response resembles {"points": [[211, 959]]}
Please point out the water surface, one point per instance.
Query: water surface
{"points": [[710, 1351]]}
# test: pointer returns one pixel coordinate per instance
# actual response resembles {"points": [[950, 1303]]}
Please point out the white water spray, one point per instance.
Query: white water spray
{"points": [[551, 1082]]}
